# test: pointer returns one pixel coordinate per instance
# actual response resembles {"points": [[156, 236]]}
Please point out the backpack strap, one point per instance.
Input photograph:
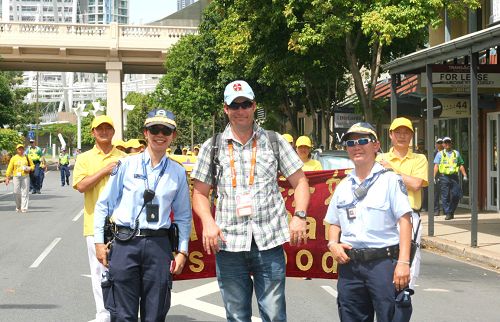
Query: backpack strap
{"points": [[273, 138], [214, 163]]}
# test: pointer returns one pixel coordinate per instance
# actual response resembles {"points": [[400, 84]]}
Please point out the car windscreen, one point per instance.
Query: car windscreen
{"points": [[331, 162]]}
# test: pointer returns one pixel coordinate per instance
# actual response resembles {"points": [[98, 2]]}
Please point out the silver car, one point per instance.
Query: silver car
{"points": [[333, 160]]}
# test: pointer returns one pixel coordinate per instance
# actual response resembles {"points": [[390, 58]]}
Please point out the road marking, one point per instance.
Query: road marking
{"points": [[7, 194], [45, 253], [436, 290], [190, 298], [78, 215], [330, 290]]}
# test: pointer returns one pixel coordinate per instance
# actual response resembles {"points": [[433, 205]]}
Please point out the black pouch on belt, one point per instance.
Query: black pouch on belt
{"points": [[173, 237]]}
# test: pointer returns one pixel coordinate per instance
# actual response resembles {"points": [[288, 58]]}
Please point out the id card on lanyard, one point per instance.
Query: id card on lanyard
{"points": [[244, 205]]}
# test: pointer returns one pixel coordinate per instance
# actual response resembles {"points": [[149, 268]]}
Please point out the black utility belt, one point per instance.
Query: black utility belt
{"points": [[163, 232], [450, 174], [370, 254]]}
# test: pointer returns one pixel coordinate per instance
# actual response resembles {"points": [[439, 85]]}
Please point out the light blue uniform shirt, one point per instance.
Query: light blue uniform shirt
{"points": [[123, 194], [377, 215]]}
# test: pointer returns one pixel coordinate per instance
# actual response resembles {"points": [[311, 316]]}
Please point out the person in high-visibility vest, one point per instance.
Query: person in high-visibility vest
{"points": [[63, 166], [35, 153], [448, 162]]}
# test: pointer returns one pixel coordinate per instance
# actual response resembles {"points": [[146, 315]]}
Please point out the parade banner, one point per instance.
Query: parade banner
{"points": [[311, 260]]}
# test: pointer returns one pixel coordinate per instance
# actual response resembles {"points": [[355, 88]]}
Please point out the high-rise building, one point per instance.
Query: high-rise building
{"points": [[40, 10], [181, 4], [105, 11]]}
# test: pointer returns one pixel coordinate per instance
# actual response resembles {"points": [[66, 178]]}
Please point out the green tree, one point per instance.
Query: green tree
{"points": [[136, 117], [373, 32], [13, 111], [68, 131]]}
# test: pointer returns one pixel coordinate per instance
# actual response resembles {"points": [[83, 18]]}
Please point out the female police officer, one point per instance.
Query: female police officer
{"points": [[141, 193], [363, 236]]}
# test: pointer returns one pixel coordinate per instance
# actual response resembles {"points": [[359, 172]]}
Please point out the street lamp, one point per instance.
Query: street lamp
{"points": [[79, 114], [98, 109], [126, 109]]}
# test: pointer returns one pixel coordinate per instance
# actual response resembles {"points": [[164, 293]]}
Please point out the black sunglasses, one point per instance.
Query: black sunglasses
{"points": [[244, 105], [156, 129], [362, 141]]}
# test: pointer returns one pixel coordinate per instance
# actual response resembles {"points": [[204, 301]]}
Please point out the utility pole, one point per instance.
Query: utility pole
{"points": [[37, 110]]}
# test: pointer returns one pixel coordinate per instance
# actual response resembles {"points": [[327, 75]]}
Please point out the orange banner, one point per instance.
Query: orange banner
{"points": [[311, 260]]}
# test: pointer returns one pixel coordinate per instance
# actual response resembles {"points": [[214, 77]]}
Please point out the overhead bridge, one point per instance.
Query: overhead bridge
{"points": [[112, 49]]}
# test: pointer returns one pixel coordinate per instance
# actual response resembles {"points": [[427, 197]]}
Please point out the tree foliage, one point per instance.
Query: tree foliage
{"points": [[68, 132], [13, 111], [373, 32]]}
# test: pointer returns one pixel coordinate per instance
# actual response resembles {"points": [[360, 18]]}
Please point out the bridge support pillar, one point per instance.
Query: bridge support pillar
{"points": [[114, 96]]}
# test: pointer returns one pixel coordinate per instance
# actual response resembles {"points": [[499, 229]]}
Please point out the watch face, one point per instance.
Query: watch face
{"points": [[301, 214]]}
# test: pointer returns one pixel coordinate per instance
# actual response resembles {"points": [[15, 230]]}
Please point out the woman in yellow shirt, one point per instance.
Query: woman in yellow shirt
{"points": [[19, 168], [304, 147]]}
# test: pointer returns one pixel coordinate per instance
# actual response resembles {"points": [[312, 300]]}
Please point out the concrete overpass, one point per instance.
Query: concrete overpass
{"points": [[112, 49]]}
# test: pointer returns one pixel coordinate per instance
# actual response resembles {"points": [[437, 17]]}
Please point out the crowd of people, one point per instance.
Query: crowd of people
{"points": [[143, 194]]}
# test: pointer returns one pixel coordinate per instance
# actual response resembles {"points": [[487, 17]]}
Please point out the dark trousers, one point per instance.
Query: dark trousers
{"points": [[64, 169], [451, 192], [35, 178], [437, 192], [366, 288], [139, 271]]}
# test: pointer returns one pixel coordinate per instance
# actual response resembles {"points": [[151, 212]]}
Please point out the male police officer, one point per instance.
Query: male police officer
{"points": [[142, 192], [63, 165], [35, 153], [448, 162], [373, 257]]}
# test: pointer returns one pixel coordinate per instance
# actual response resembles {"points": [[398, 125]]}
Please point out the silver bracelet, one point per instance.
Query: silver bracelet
{"points": [[404, 262]]}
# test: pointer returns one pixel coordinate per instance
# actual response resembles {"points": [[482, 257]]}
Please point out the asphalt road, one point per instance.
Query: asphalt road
{"points": [[44, 274]]}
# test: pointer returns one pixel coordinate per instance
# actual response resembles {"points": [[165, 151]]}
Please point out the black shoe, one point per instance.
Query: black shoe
{"points": [[448, 217], [437, 213]]}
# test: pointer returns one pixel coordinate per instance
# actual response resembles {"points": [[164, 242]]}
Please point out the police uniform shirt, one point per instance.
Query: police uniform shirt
{"points": [[123, 194], [376, 216]]}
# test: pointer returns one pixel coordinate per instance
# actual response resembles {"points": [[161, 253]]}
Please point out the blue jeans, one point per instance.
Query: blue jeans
{"points": [[64, 168], [268, 269]]}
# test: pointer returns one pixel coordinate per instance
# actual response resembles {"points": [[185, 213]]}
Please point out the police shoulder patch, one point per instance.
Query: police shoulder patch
{"points": [[402, 185], [115, 169]]}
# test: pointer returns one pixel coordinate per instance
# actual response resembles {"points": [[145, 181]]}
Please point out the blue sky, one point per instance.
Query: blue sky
{"points": [[144, 11]]}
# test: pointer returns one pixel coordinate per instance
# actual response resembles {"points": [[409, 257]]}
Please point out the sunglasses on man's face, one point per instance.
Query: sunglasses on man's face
{"points": [[155, 130], [447, 142], [362, 141], [244, 105]]}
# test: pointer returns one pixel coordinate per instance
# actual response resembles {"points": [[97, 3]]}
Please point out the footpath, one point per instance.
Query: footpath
{"points": [[453, 237]]}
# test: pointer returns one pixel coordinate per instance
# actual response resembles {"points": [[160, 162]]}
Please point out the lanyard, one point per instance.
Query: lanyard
{"points": [[252, 164], [365, 185], [146, 182]]}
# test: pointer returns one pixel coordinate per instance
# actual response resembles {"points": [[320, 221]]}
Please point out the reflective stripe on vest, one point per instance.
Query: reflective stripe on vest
{"points": [[448, 164], [64, 159]]}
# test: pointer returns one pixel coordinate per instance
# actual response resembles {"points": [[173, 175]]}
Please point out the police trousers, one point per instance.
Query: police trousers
{"points": [[366, 288], [139, 277]]}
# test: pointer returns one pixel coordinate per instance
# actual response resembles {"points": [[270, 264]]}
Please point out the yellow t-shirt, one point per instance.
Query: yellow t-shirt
{"points": [[312, 165], [88, 163], [413, 164], [17, 166]]}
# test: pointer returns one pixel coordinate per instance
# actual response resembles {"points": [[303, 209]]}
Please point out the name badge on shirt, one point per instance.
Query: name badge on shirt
{"points": [[351, 213], [244, 204], [152, 212]]}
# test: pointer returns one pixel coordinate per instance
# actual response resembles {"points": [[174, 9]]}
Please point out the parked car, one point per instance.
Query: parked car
{"points": [[333, 160]]}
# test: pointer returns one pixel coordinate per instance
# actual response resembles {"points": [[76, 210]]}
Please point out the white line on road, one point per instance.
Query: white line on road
{"points": [[436, 290], [78, 216], [45, 253], [330, 290]]}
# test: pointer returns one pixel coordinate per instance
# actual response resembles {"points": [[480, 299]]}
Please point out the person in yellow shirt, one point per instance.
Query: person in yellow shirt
{"points": [[303, 148], [413, 168], [134, 146], [288, 138], [90, 175], [19, 168]]}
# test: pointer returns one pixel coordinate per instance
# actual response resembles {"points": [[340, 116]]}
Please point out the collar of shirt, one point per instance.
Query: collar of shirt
{"points": [[392, 155], [377, 167], [147, 159], [99, 151], [228, 134]]}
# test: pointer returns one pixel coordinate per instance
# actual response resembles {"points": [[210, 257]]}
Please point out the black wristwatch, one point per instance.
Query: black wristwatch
{"points": [[301, 214]]}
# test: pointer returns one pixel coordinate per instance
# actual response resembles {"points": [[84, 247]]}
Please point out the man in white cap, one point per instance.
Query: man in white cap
{"points": [[63, 166], [447, 163], [92, 170], [251, 222]]}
